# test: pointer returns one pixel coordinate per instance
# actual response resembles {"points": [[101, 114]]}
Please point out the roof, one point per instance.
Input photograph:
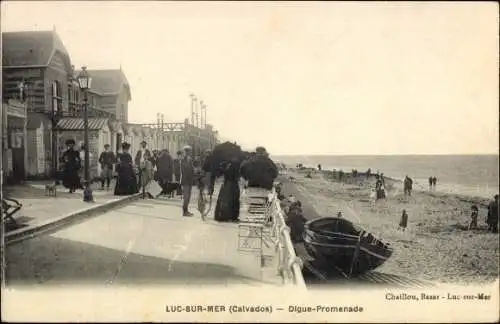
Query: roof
{"points": [[77, 123], [35, 120], [108, 82], [30, 48]]}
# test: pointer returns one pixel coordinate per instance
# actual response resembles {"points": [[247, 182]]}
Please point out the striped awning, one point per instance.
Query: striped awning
{"points": [[78, 124]]}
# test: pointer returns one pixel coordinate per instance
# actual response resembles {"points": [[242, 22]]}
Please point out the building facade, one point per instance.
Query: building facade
{"points": [[14, 141]]}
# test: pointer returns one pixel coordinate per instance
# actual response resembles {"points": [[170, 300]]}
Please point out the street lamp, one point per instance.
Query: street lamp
{"points": [[84, 81]]}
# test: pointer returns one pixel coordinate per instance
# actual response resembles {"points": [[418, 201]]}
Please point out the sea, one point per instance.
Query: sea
{"points": [[473, 175]]}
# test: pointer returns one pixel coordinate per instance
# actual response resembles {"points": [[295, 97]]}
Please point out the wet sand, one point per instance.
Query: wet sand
{"points": [[436, 246]]}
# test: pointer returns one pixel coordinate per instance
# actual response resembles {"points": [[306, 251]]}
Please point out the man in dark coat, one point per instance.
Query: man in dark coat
{"points": [[107, 159], [165, 168], [177, 170], [187, 180], [492, 219], [260, 171]]}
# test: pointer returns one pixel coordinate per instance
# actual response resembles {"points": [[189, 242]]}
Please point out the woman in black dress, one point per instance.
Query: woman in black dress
{"points": [[71, 166], [228, 202], [126, 182]]}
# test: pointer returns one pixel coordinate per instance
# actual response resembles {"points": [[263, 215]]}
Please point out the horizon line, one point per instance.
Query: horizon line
{"points": [[389, 154]]}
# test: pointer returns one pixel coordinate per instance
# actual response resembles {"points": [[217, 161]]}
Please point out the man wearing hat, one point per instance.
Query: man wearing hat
{"points": [[142, 155], [177, 171], [187, 179]]}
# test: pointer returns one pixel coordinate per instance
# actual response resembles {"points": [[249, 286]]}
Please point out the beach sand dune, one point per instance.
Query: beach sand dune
{"points": [[436, 245]]}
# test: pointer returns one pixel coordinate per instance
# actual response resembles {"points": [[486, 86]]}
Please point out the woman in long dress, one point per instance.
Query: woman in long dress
{"points": [[71, 167], [126, 182], [227, 208]]}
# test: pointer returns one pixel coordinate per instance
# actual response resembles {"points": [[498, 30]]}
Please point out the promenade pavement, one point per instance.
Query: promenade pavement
{"points": [[40, 210], [143, 242]]}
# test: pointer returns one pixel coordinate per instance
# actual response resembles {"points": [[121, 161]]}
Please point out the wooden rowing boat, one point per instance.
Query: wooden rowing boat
{"points": [[336, 244]]}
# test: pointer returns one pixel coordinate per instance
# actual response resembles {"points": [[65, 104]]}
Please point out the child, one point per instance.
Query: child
{"points": [[474, 214], [403, 223]]}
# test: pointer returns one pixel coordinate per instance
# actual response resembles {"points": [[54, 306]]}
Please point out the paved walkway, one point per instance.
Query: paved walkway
{"points": [[38, 208], [144, 242]]}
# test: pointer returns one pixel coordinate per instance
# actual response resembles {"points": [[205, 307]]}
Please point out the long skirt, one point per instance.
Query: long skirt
{"points": [[126, 182], [71, 179], [228, 202]]}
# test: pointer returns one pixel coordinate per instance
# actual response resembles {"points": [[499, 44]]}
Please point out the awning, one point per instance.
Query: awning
{"points": [[78, 124]]}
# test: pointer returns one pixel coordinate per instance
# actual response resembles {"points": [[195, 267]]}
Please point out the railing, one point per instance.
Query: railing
{"points": [[289, 264]]}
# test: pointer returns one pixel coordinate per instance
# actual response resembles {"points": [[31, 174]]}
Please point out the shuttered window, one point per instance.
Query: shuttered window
{"points": [[57, 96]]}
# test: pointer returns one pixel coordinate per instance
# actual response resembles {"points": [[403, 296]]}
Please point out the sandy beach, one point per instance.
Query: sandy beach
{"points": [[436, 245]]}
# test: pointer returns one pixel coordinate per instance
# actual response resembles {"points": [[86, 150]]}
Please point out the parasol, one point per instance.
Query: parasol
{"points": [[223, 153]]}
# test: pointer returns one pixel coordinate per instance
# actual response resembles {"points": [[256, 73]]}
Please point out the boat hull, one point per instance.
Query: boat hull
{"points": [[338, 246]]}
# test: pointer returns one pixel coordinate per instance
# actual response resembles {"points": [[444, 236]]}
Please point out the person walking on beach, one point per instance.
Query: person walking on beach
{"points": [[492, 219], [408, 186], [403, 223], [430, 182], [434, 181], [474, 214], [107, 159], [187, 180]]}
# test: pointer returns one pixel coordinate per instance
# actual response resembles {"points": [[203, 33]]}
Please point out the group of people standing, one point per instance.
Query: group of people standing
{"points": [[185, 170], [432, 183], [257, 169]]}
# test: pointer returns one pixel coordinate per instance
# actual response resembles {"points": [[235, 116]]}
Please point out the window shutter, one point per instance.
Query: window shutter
{"points": [[54, 97]]}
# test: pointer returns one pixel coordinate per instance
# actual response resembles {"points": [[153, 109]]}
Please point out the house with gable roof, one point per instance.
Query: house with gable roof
{"points": [[110, 91], [40, 61]]}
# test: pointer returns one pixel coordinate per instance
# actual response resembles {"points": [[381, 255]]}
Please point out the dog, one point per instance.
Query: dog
{"points": [[51, 189], [169, 189]]}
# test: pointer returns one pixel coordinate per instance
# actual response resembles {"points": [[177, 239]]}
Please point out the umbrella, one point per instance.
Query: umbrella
{"points": [[224, 153]]}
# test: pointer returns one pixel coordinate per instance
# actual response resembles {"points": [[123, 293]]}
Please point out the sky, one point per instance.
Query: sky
{"points": [[297, 77]]}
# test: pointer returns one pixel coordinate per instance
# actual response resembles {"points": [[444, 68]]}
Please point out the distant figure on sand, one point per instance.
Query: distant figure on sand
{"points": [[408, 186], [434, 182], [379, 188], [368, 173], [319, 167], [492, 219], [430, 183], [403, 223], [474, 214]]}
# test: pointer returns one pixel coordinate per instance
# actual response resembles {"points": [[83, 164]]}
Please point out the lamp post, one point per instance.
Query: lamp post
{"points": [[84, 81]]}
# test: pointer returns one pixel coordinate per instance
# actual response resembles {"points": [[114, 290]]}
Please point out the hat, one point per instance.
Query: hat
{"points": [[125, 145], [187, 148], [144, 142], [260, 149], [70, 142]]}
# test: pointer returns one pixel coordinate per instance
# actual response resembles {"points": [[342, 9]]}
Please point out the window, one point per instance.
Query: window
{"points": [[56, 96]]}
